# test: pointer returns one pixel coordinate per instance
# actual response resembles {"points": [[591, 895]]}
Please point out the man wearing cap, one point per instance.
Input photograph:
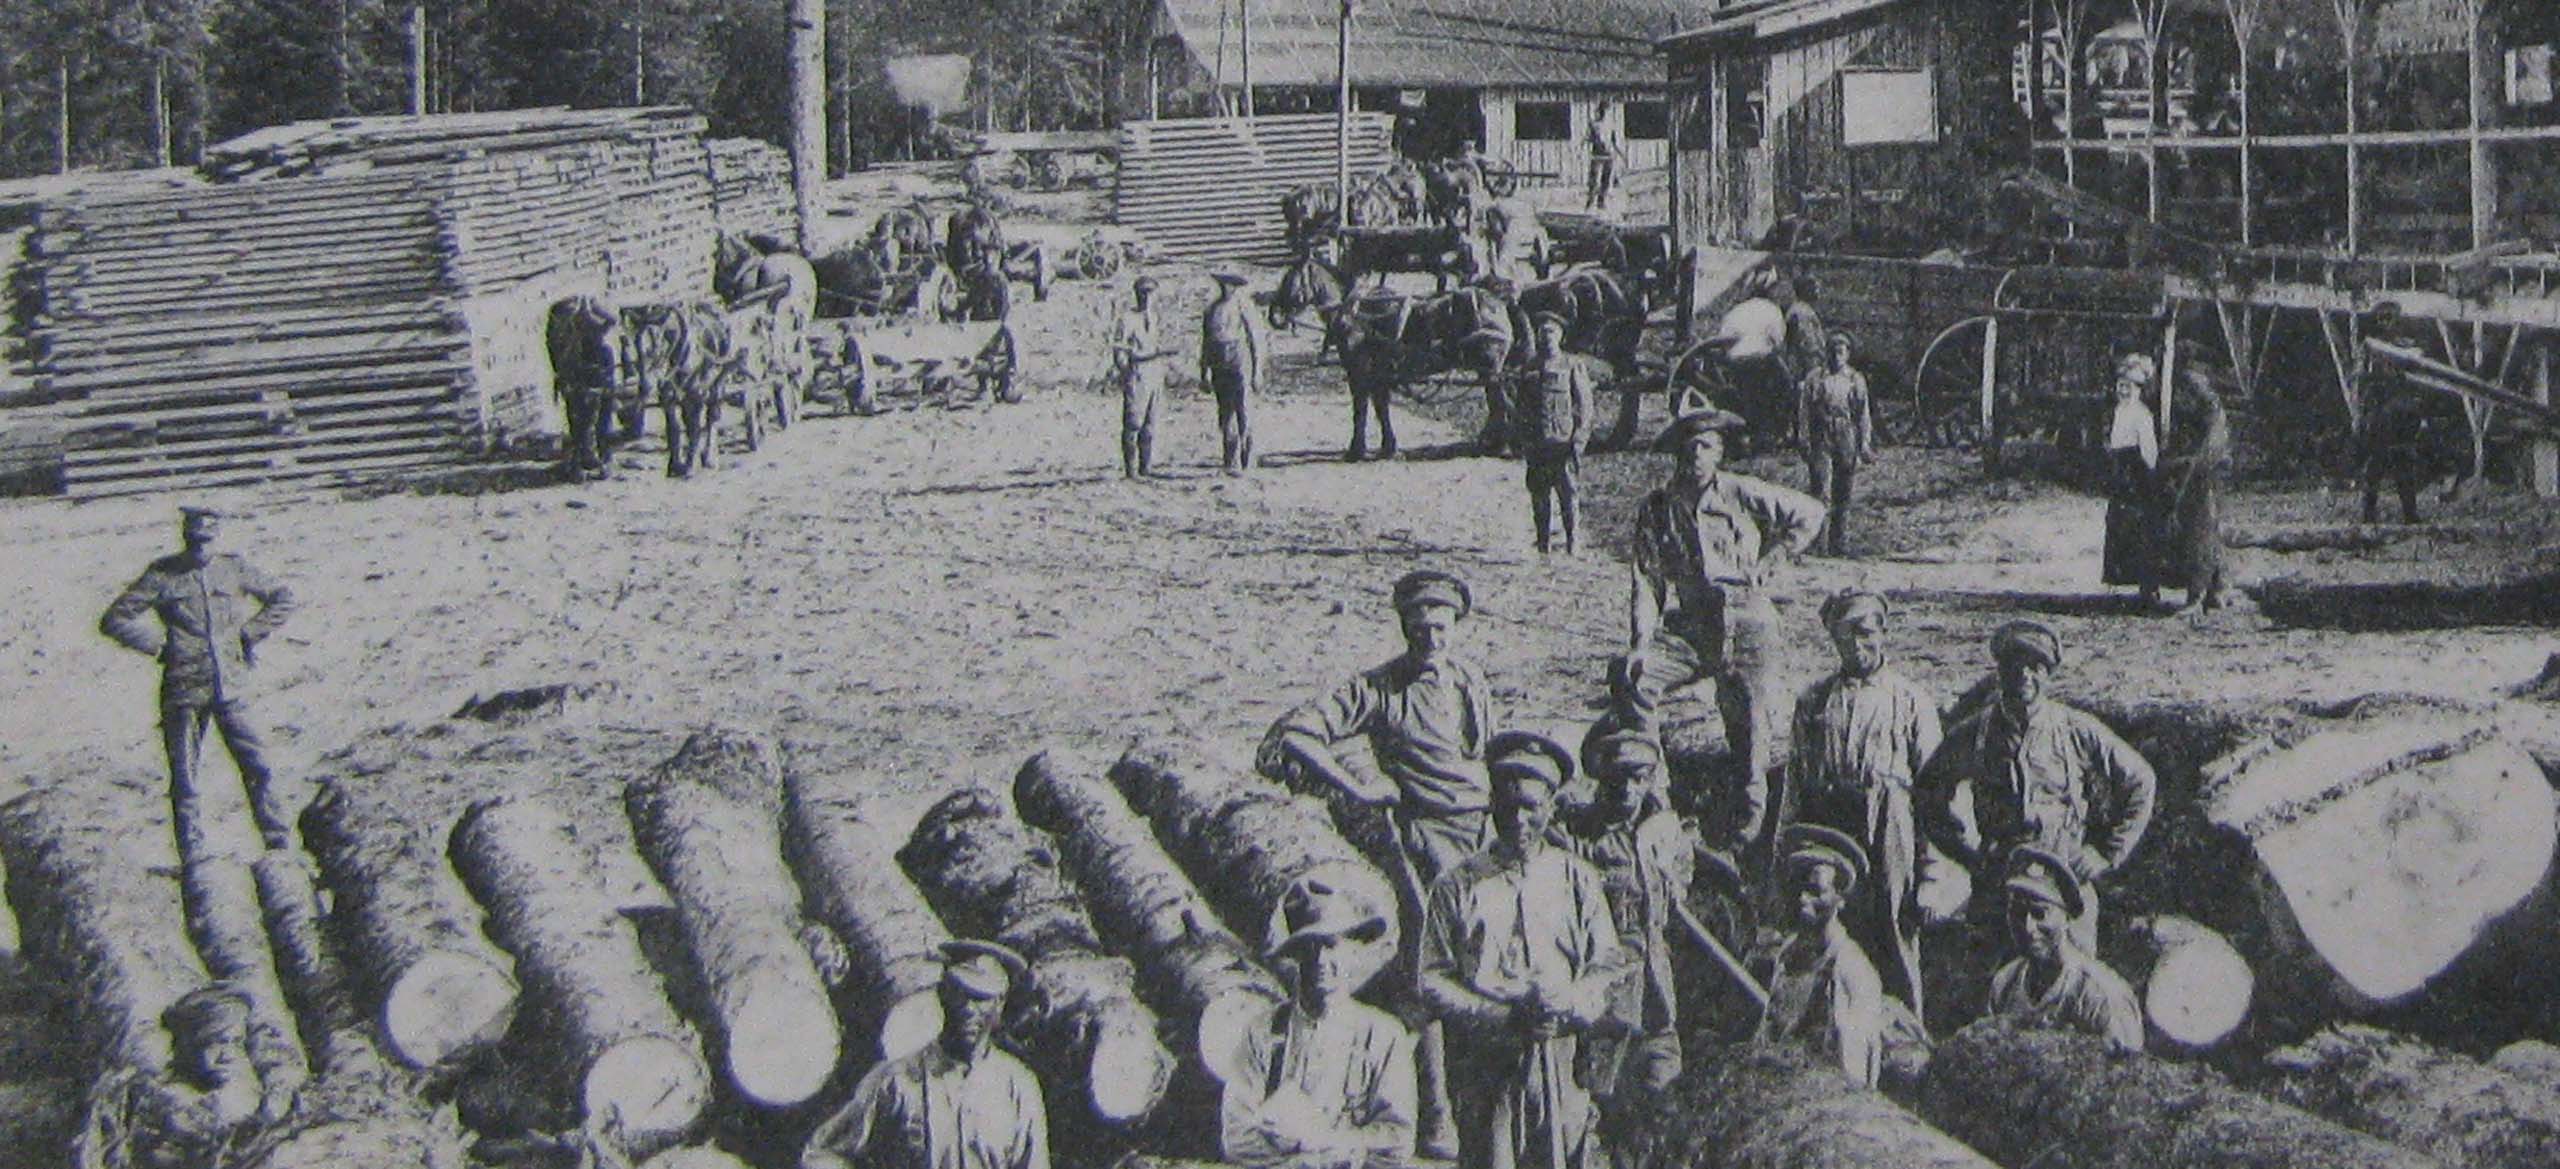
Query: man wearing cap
{"points": [[2039, 773], [1859, 738], [1823, 992], [205, 1109], [1698, 605], [203, 614], [2054, 981], [1519, 953], [1137, 362], [1321, 1075], [1628, 832], [1555, 427], [955, 1103], [1837, 431], [1232, 357]]}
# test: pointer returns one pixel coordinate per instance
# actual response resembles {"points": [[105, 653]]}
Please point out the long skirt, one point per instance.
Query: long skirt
{"points": [[2135, 535]]}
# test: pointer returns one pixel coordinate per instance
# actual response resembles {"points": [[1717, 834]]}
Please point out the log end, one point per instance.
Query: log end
{"points": [[1129, 1074], [781, 1041], [447, 1004], [656, 1086], [910, 1023], [693, 1157], [2199, 989]]}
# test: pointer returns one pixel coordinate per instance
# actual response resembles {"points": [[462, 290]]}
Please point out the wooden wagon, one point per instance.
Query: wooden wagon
{"points": [[870, 368], [2038, 362]]}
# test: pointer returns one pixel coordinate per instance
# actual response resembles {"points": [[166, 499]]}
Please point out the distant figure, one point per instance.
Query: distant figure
{"points": [[1604, 166], [1322, 1075], [1808, 350], [1138, 355], [1233, 355], [1555, 427], [2193, 464], [1836, 427], [2134, 529], [203, 614], [2055, 981], [2407, 432], [1752, 339], [204, 1111], [955, 1103], [1823, 993]]}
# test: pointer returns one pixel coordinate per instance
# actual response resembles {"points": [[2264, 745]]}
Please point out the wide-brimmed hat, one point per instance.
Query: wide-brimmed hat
{"points": [[1230, 276], [984, 970], [2034, 872], [1528, 755], [1313, 911], [1693, 422], [1432, 587], [2030, 638], [1821, 844]]}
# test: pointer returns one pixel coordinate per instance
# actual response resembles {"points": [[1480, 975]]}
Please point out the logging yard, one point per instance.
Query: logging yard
{"points": [[654, 797]]}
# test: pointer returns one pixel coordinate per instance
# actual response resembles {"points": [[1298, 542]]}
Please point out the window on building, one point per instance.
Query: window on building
{"points": [[1888, 106], [1745, 106], [1542, 121], [1648, 121]]}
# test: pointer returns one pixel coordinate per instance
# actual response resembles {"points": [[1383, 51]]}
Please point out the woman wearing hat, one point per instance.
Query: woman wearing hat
{"points": [[2134, 532], [958, 1102], [2054, 981], [1823, 992], [1323, 1074]]}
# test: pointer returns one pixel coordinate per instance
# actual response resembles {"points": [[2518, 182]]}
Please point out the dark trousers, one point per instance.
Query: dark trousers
{"points": [[1235, 422], [1138, 429], [1833, 473], [587, 415], [1734, 644], [200, 809], [1554, 470]]}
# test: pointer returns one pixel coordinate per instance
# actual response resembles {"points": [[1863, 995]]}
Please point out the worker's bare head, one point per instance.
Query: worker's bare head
{"points": [[1429, 605], [1526, 769], [199, 525], [209, 1035], [1857, 620], [1823, 866], [976, 979], [1550, 333], [2026, 654]]}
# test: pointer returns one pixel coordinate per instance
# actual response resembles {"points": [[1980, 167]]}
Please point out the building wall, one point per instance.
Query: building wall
{"points": [[1565, 163]]}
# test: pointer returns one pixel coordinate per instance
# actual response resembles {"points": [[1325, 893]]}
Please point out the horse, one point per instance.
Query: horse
{"points": [[1389, 339], [686, 355], [786, 286], [1454, 191], [585, 339]]}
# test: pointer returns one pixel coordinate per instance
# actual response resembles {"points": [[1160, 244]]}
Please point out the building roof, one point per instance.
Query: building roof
{"points": [[1759, 19], [1436, 43]]}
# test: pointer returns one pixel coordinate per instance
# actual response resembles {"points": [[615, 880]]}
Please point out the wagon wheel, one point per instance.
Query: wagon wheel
{"points": [[1097, 258], [1501, 179], [1943, 407], [996, 368]]}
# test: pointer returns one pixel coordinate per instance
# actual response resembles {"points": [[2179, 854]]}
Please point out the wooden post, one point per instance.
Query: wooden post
{"points": [[2546, 451], [62, 117], [2351, 28], [2154, 15], [808, 116], [1244, 51], [2168, 369], [2484, 167], [417, 60], [341, 66], [639, 53], [1342, 116], [160, 109]]}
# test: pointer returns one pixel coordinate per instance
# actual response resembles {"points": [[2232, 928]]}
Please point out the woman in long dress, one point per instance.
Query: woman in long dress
{"points": [[2193, 466], [2134, 505]]}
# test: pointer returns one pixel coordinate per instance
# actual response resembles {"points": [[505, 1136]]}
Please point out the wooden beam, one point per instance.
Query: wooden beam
{"points": [[2337, 328], [2545, 462]]}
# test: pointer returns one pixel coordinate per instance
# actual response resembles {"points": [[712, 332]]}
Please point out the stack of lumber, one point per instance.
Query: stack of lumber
{"points": [[751, 187], [1210, 188], [344, 145]]}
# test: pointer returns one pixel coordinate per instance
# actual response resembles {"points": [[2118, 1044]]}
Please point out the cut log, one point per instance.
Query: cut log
{"points": [[740, 764], [87, 872], [2195, 987], [848, 868], [314, 982], [2389, 848], [230, 933], [693, 1157], [1246, 839], [1091, 1041], [2532, 1060], [604, 1023], [2061, 1100], [390, 1142], [439, 990], [38, 1120], [1772, 1107], [720, 860], [1188, 963], [2410, 1093]]}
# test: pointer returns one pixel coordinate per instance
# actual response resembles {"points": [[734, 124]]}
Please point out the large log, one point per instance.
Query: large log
{"points": [[229, 928], [2410, 1093], [1755, 1106], [605, 1025], [693, 1157], [741, 764], [87, 865], [2195, 987], [2061, 1100], [893, 942], [1188, 962], [315, 983], [2531, 1060], [1244, 838], [720, 860], [1091, 1041], [437, 988]]}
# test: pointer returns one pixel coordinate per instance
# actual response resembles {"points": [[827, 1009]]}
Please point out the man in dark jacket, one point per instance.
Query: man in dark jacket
{"points": [[1555, 426], [212, 610]]}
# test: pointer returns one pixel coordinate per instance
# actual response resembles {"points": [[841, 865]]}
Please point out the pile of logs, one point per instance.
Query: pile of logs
{"points": [[751, 187]]}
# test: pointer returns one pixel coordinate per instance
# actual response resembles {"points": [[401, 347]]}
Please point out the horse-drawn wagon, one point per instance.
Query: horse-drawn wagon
{"points": [[873, 367]]}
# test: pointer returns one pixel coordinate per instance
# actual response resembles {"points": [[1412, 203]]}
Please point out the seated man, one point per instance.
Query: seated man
{"points": [[1320, 1075], [202, 1112], [2052, 982], [1823, 992], [955, 1103]]}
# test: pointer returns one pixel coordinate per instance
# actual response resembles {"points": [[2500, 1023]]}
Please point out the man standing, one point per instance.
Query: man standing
{"points": [[1823, 993], [1555, 428], [2055, 982], [1860, 737], [1837, 430], [1137, 362], [1232, 354], [1752, 337], [212, 609], [1629, 833], [1519, 953], [1604, 166], [955, 1103], [1698, 607], [1808, 350], [2040, 775], [1321, 1075]]}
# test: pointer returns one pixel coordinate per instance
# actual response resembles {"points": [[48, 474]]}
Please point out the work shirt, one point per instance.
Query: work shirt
{"points": [[1826, 997], [1339, 1083], [1755, 328], [1645, 862], [1136, 358], [1426, 724], [211, 618], [2058, 780], [2132, 428], [1833, 414], [927, 1110], [1229, 343], [1858, 744], [1690, 539], [2085, 997], [1559, 397]]}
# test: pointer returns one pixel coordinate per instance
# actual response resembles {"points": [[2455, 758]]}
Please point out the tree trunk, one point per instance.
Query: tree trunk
{"points": [[891, 937], [1092, 1043], [2062, 1100], [439, 990], [2195, 987], [604, 1021], [1244, 838], [230, 933], [83, 878], [315, 983], [721, 861], [1751, 1106], [809, 117], [2404, 1091]]}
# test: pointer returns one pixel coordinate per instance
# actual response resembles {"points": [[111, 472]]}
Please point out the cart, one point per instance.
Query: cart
{"points": [[2039, 365], [870, 368]]}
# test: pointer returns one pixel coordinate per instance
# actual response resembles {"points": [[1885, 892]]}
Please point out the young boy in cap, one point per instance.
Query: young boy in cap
{"points": [[1859, 738], [1321, 1075], [1137, 362], [1823, 992], [203, 613], [1837, 429], [955, 1103], [1232, 358], [205, 1108], [1555, 427], [1698, 607], [1519, 953], [2041, 775], [2054, 981]]}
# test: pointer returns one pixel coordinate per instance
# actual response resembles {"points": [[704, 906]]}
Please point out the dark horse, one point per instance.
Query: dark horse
{"points": [[1604, 317], [1389, 339], [585, 339], [686, 356]]}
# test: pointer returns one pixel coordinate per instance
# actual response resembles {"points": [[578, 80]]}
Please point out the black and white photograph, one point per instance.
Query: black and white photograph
{"points": [[1279, 584]]}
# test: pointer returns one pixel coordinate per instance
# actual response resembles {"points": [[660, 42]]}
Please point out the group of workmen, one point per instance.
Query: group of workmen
{"points": [[1235, 358]]}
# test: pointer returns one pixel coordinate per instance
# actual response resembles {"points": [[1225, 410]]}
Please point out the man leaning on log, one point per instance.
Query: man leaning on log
{"points": [[1322, 1075], [955, 1103], [1823, 992]]}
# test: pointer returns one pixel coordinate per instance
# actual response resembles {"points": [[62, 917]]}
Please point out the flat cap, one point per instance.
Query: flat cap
{"points": [[1851, 604], [1690, 425], [2028, 638], [2034, 872], [1528, 755], [1821, 844], [1543, 318], [1313, 911], [1433, 587], [1607, 748], [1230, 276], [982, 970]]}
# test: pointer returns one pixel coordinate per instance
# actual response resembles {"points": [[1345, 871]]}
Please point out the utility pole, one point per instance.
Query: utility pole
{"points": [[639, 52], [808, 115], [1244, 49], [62, 116], [160, 108], [1342, 118], [417, 60]]}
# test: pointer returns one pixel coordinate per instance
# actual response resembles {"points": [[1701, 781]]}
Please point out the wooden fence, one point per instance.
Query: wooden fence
{"points": [[1210, 188]]}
